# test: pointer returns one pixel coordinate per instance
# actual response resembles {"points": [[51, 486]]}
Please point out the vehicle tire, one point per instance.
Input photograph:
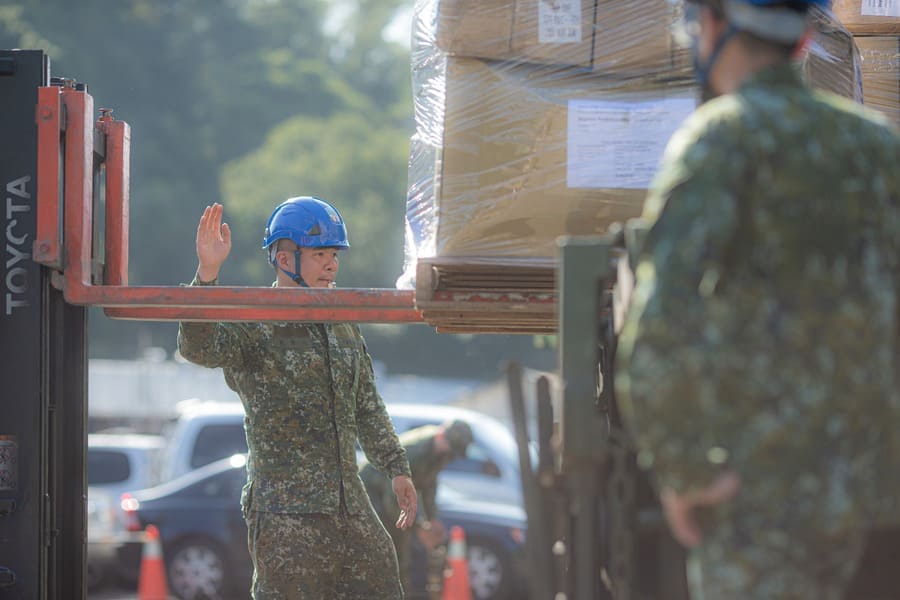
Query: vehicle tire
{"points": [[197, 570], [489, 571]]}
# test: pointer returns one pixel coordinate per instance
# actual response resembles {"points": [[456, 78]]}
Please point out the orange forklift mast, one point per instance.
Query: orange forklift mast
{"points": [[90, 273]]}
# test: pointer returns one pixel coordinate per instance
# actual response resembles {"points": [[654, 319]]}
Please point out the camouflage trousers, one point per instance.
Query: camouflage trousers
{"points": [[388, 512], [776, 555], [321, 557]]}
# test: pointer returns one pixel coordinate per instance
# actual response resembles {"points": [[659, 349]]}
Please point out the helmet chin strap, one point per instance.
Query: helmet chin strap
{"points": [[703, 70], [296, 277]]}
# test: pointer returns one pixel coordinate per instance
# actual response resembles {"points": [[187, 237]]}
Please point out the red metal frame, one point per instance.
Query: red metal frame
{"points": [[118, 161], [68, 246]]}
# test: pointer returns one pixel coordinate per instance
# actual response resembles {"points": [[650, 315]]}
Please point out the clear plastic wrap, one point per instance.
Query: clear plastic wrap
{"points": [[831, 61], [880, 60], [537, 140]]}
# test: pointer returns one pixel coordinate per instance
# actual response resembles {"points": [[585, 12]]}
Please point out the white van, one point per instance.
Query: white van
{"points": [[204, 432]]}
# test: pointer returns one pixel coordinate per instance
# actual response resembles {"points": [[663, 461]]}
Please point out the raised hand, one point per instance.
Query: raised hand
{"points": [[213, 242]]}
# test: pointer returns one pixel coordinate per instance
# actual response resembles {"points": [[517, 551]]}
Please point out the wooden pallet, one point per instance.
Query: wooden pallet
{"points": [[488, 295]]}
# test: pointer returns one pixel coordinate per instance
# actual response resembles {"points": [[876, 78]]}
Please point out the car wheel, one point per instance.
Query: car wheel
{"points": [[488, 571], [196, 570]]}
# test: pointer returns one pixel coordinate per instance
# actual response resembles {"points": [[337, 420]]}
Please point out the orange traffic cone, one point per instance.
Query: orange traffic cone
{"points": [[456, 575], [152, 583]]}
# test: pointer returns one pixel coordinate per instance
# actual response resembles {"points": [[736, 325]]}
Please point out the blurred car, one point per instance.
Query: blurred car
{"points": [[201, 529], [116, 463], [209, 431], [204, 536], [204, 432]]}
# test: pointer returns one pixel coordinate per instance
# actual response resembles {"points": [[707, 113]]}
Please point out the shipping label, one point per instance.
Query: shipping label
{"points": [[880, 8], [559, 21], [618, 144]]}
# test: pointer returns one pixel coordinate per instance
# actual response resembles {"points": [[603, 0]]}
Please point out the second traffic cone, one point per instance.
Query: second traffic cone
{"points": [[152, 583], [456, 576]]}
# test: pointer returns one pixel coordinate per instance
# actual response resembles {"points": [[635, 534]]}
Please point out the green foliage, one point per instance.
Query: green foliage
{"points": [[345, 159]]}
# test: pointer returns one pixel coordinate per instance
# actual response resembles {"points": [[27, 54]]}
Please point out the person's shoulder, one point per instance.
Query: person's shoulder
{"points": [[714, 118], [864, 119], [418, 434]]}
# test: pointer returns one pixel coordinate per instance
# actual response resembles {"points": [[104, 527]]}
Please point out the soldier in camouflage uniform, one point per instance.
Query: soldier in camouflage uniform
{"points": [[309, 394], [758, 363], [429, 448]]}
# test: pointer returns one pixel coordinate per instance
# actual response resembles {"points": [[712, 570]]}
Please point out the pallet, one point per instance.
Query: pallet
{"points": [[488, 294]]}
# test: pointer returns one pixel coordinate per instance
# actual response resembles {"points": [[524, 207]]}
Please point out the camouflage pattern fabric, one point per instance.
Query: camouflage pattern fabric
{"points": [[425, 464], [762, 335], [309, 394], [314, 557]]}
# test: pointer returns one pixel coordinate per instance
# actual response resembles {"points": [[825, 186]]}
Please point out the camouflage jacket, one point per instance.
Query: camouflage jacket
{"points": [[762, 333], [309, 393], [425, 464]]}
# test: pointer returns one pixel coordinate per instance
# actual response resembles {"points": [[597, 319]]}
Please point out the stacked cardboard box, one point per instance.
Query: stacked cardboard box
{"points": [[542, 118], [547, 118], [534, 119], [875, 25], [529, 155], [614, 37], [831, 62]]}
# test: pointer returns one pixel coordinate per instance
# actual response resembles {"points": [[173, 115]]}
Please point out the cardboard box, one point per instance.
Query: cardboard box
{"points": [[478, 28], [870, 17], [636, 37], [831, 62], [556, 32], [614, 37], [880, 62], [553, 31], [528, 156]]}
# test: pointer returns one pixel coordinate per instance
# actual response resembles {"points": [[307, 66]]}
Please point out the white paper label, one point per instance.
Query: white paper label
{"points": [[613, 144], [881, 8], [559, 21]]}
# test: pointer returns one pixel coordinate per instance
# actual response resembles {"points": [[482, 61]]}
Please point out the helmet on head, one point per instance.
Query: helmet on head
{"points": [[309, 222], [783, 22], [779, 21], [458, 435]]}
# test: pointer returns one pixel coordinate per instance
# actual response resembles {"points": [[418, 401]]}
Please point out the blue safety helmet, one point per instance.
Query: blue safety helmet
{"points": [[779, 21], [309, 222]]}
